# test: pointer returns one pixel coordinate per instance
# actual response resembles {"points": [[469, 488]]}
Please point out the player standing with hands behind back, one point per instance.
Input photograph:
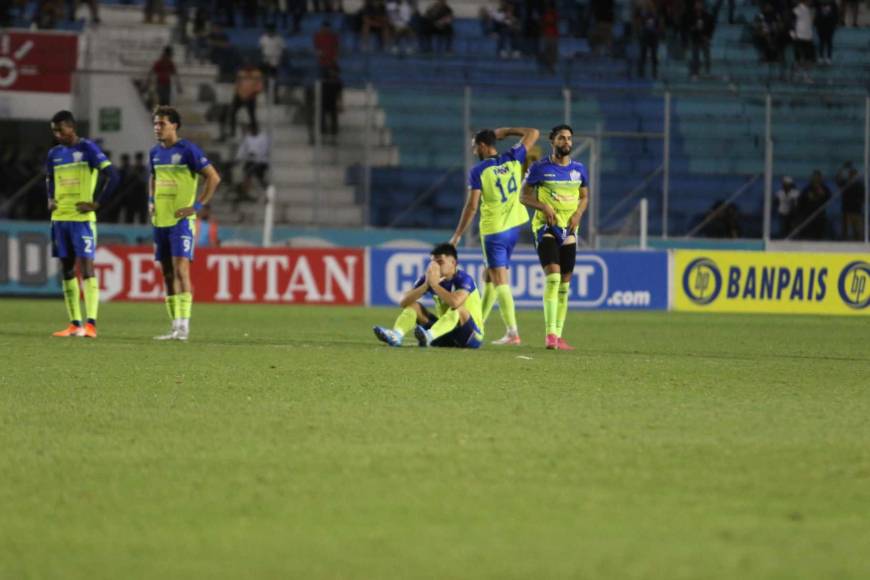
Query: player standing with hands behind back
{"points": [[176, 165], [494, 185], [557, 188]]}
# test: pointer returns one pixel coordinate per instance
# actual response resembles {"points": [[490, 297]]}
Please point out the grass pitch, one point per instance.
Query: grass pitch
{"points": [[285, 442]]}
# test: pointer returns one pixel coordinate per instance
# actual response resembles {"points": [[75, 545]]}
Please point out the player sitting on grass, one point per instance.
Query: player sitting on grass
{"points": [[457, 304]]}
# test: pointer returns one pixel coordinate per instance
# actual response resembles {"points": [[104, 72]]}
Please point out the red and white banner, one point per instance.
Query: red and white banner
{"points": [[37, 62], [240, 275]]}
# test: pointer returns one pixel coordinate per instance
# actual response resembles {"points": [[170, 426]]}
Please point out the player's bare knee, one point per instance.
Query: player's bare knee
{"points": [[463, 313], [68, 268], [87, 268], [498, 276]]}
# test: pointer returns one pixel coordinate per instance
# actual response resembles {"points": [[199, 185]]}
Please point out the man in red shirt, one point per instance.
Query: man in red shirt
{"points": [[162, 73], [326, 45]]}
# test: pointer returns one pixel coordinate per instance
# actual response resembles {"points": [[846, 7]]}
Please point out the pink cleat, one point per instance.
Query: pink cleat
{"points": [[563, 345], [552, 342]]}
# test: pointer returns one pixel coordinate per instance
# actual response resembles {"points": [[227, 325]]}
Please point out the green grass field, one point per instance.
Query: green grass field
{"points": [[285, 442]]}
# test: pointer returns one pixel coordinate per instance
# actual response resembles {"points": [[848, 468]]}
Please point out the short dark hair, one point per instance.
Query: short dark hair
{"points": [[64, 117], [563, 127], [485, 137], [445, 249], [170, 113]]}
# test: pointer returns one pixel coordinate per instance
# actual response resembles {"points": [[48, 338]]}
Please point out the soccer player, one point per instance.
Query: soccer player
{"points": [[557, 188], [75, 169], [494, 185], [176, 165], [457, 304]]}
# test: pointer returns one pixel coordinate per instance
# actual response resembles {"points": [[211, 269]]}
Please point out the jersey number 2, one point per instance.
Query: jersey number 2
{"points": [[512, 188]]}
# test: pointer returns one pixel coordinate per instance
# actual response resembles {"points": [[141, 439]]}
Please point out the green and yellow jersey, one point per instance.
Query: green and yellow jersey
{"points": [[499, 179], [175, 171]]}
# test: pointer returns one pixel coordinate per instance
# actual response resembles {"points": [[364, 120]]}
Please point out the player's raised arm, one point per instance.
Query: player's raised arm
{"points": [[528, 136]]}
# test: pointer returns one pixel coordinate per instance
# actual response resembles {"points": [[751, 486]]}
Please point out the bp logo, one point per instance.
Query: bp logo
{"points": [[702, 281], [854, 285]]}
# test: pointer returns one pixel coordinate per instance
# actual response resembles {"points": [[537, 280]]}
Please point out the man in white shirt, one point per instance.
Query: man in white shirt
{"points": [[272, 49], [802, 34], [254, 152], [787, 201]]}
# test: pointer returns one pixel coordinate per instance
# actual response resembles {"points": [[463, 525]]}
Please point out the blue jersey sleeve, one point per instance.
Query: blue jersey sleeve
{"points": [[533, 175], [474, 177], [584, 175], [96, 158], [463, 281], [518, 152], [196, 159], [152, 155]]}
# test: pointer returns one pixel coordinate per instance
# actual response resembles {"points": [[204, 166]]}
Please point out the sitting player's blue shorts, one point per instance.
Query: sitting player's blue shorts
{"points": [[175, 241], [466, 335], [497, 248], [70, 239], [561, 234]]}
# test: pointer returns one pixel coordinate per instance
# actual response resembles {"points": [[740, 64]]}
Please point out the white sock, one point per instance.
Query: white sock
{"points": [[184, 324]]}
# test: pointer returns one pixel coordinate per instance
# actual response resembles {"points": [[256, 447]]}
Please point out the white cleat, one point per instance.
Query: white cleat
{"points": [[181, 334], [169, 336], [512, 339]]}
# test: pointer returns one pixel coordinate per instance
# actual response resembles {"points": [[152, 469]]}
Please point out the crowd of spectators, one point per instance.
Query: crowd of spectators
{"points": [[802, 213]]}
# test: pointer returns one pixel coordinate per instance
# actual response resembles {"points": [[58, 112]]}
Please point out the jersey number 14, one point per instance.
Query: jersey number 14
{"points": [[512, 188]]}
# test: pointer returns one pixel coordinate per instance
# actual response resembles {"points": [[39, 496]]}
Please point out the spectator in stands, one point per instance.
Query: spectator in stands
{"points": [[197, 48], [254, 154], [48, 14], [787, 204], [769, 34], [162, 73], [111, 212], [249, 84], [250, 13], [437, 27], [850, 6], [330, 99], [852, 192], [327, 5], [326, 45], [373, 19], [225, 10], [152, 7], [271, 51], [827, 17], [601, 36], [72, 8], [802, 35], [502, 22], [296, 9], [549, 26], [136, 200], [647, 25], [208, 235], [813, 200], [701, 27], [723, 221], [401, 14], [221, 50]]}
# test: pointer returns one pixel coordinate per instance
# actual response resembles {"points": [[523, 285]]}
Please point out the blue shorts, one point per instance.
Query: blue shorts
{"points": [[70, 239], [561, 234], [497, 248], [175, 241], [467, 335]]}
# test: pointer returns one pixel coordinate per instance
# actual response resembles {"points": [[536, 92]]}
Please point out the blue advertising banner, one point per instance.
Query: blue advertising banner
{"points": [[602, 280]]}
